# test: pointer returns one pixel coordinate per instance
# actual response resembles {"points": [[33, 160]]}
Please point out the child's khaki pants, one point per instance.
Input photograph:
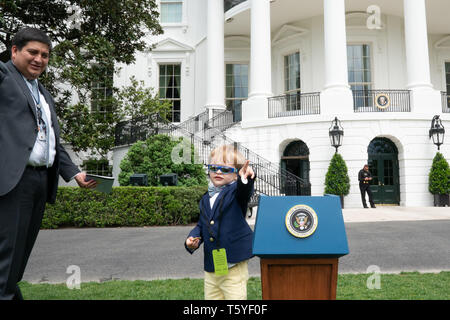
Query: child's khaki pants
{"points": [[233, 286]]}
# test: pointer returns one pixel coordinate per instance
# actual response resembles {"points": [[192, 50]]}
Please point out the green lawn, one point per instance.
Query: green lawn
{"points": [[411, 285]]}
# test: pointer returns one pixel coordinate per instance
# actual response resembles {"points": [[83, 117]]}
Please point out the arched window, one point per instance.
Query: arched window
{"points": [[381, 145], [296, 149]]}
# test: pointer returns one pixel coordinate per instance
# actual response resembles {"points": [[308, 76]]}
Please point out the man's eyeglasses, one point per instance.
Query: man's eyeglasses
{"points": [[223, 169]]}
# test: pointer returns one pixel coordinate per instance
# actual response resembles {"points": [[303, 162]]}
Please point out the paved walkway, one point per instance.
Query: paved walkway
{"points": [[389, 213], [396, 213]]}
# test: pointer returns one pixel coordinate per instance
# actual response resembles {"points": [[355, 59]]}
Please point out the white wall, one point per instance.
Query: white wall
{"points": [[181, 43]]}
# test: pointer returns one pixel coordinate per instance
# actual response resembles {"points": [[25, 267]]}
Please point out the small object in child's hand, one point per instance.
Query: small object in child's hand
{"points": [[197, 238]]}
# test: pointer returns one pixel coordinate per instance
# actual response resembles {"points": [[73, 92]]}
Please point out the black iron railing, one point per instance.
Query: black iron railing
{"points": [[195, 123], [221, 121], [295, 104], [218, 124], [381, 101], [130, 131], [445, 102]]}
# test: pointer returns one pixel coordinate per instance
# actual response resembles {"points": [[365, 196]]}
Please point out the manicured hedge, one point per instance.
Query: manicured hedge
{"points": [[125, 206], [439, 176]]}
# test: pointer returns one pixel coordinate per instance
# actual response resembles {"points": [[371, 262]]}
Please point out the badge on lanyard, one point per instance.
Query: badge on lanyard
{"points": [[41, 134], [42, 130], [220, 262]]}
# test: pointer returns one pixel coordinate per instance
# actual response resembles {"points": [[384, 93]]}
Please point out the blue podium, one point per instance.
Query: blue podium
{"points": [[299, 240]]}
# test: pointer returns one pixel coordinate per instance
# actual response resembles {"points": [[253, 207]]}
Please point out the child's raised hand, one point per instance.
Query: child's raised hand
{"points": [[246, 171], [193, 243]]}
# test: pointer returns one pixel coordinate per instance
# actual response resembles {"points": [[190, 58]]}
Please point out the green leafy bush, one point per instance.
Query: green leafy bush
{"points": [[439, 176], [153, 157], [125, 206], [337, 181]]}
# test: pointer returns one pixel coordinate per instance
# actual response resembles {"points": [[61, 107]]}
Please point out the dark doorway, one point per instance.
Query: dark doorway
{"points": [[295, 160], [383, 164]]}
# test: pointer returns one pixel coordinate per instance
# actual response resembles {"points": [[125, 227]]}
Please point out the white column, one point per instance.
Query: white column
{"points": [[215, 65], [336, 73], [336, 98], [416, 40], [424, 98], [260, 50], [255, 108]]}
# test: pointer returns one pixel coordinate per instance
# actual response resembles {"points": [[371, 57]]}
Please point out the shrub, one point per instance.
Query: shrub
{"points": [[153, 157], [439, 176], [124, 206], [337, 181]]}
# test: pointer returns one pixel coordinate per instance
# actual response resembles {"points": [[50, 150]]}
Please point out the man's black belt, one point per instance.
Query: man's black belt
{"points": [[41, 168]]}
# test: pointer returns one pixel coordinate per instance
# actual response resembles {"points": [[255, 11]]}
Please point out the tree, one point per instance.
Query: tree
{"points": [[154, 158], [91, 38], [439, 176], [84, 24], [337, 181], [84, 129]]}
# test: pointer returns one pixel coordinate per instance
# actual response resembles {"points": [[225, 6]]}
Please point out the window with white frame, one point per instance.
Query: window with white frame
{"points": [[359, 73], [101, 92], [292, 86], [171, 11], [236, 88], [170, 88]]}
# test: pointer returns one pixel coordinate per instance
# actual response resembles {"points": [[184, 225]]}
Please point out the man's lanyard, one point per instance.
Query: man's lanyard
{"points": [[216, 221], [37, 101]]}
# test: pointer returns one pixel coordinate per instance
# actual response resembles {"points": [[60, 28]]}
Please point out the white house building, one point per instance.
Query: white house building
{"points": [[284, 69]]}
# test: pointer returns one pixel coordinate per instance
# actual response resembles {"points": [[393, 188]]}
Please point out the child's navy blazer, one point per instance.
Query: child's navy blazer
{"points": [[235, 234]]}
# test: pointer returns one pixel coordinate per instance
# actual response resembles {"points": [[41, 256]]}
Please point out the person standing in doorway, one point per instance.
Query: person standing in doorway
{"points": [[364, 177]]}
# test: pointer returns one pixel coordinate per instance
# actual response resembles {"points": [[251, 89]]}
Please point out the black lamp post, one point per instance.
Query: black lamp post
{"points": [[437, 131], [336, 133]]}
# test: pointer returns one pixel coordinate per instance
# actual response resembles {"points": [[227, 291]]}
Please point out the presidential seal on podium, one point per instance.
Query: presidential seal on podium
{"points": [[299, 255], [301, 221]]}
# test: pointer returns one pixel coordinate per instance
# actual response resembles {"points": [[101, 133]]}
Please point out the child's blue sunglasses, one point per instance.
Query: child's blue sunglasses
{"points": [[223, 169]]}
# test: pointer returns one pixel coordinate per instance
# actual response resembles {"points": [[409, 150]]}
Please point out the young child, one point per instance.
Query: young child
{"points": [[222, 225]]}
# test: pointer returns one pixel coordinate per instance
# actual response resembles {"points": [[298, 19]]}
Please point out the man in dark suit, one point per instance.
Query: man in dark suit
{"points": [[364, 177], [31, 158]]}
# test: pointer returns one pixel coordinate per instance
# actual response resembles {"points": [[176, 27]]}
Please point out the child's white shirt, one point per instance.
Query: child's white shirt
{"points": [[212, 200]]}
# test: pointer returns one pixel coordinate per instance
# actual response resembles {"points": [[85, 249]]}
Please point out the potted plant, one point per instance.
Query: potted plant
{"points": [[337, 181], [439, 181]]}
